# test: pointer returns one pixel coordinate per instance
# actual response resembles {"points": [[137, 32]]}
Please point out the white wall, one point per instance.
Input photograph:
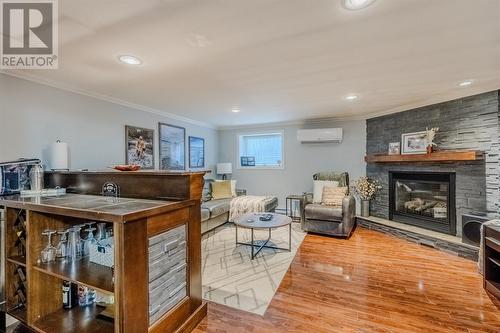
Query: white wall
{"points": [[32, 116], [301, 160]]}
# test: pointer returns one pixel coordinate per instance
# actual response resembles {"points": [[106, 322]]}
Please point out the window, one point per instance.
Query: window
{"points": [[264, 150]]}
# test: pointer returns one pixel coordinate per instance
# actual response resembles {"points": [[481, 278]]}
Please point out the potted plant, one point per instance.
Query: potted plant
{"points": [[365, 188]]}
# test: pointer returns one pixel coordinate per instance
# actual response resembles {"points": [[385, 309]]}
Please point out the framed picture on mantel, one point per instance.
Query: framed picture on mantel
{"points": [[394, 148], [414, 143]]}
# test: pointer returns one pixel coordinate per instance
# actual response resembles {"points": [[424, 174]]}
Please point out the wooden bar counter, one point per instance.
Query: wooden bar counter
{"points": [[156, 282]]}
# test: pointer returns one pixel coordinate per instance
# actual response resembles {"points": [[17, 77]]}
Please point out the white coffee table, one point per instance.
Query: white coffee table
{"points": [[251, 221]]}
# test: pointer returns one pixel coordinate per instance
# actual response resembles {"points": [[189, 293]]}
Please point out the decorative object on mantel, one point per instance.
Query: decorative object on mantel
{"points": [[394, 148], [414, 143], [365, 188], [127, 167], [439, 156], [430, 136]]}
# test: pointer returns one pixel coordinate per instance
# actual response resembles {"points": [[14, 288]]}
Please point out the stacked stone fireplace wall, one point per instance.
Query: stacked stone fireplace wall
{"points": [[471, 123]]}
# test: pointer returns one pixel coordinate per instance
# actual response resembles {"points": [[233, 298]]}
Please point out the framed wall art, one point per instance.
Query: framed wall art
{"points": [[139, 146], [394, 148], [196, 152], [414, 143], [172, 147]]}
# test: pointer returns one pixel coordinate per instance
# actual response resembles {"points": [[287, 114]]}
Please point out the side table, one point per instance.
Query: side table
{"points": [[295, 206]]}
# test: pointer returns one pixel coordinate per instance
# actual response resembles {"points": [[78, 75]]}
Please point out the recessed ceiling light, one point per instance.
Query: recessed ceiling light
{"points": [[235, 110], [356, 4], [130, 60], [351, 97], [465, 83]]}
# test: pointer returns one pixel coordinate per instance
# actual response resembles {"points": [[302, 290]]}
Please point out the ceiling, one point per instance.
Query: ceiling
{"points": [[276, 60]]}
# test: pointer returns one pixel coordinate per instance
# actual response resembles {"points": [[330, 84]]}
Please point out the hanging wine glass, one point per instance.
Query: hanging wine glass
{"points": [[89, 241], [73, 243], [49, 252], [62, 246], [101, 231], [78, 231]]}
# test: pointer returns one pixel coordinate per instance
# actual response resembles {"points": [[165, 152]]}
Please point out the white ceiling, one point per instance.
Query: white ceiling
{"points": [[276, 60]]}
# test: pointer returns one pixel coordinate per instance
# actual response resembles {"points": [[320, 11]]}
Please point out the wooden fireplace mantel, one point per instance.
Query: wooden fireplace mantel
{"points": [[439, 156]]}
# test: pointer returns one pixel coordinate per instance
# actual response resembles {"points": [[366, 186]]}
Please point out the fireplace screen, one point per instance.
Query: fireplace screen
{"points": [[423, 199]]}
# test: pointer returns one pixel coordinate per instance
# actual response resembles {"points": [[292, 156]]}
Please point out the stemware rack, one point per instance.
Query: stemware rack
{"points": [[34, 289]]}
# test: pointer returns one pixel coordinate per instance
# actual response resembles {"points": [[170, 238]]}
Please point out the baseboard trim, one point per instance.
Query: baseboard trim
{"points": [[193, 320]]}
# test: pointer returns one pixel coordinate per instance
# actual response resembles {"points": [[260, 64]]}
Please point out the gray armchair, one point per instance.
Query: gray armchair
{"points": [[330, 220]]}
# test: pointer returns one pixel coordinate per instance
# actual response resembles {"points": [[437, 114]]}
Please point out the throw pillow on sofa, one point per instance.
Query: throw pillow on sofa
{"points": [[318, 189], [207, 190], [221, 190], [233, 186], [333, 196]]}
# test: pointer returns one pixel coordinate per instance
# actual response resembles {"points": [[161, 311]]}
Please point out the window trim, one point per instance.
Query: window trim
{"points": [[257, 133]]}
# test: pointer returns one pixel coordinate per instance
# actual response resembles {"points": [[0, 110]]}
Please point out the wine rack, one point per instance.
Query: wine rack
{"points": [[18, 249], [16, 272], [19, 287]]}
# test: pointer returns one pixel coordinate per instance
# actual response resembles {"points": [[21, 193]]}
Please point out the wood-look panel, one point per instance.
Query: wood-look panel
{"points": [[194, 256], [161, 223], [370, 283], [133, 271], [193, 320], [146, 185], [439, 156], [196, 186]]}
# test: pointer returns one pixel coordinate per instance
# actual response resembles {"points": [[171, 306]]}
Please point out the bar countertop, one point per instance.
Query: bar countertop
{"points": [[99, 208]]}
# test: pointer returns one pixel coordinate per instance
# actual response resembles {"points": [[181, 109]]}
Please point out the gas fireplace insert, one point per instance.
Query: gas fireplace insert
{"points": [[423, 199]]}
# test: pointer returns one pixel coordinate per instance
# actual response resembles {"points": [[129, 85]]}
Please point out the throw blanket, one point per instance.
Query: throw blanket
{"points": [[247, 204]]}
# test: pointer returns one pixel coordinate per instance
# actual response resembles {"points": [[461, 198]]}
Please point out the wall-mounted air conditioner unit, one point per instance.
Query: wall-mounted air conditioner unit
{"points": [[319, 135]]}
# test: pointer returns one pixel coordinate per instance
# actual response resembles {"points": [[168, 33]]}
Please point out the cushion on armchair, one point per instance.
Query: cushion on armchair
{"points": [[333, 196], [318, 186]]}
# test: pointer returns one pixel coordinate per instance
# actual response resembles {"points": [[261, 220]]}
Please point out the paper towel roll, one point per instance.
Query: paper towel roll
{"points": [[59, 156]]}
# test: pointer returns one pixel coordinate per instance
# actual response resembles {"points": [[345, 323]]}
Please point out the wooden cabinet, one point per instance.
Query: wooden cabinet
{"points": [[491, 260], [34, 289]]}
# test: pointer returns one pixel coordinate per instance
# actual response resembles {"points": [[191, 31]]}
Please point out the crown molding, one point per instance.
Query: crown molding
{"points": [[436, 99], [298, 122], [75, 90]]}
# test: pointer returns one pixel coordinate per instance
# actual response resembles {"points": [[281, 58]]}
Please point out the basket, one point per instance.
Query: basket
{"points": [[103, 253]]}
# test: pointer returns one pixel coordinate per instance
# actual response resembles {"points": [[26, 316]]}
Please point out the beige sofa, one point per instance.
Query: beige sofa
{"points": [[216, 212]]}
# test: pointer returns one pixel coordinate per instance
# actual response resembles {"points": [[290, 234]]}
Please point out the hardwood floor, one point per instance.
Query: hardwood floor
{"points": [[370, 283]]}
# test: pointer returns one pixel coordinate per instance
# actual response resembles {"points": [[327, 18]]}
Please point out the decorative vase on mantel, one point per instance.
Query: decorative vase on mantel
{"points": [[365, 208], [429, 149]]}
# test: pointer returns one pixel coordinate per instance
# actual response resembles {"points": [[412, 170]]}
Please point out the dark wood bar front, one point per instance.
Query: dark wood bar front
{"points": [[156, 278]]}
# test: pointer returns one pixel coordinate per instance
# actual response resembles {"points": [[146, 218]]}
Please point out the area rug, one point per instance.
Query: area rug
{"points": [[231, 278]]}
